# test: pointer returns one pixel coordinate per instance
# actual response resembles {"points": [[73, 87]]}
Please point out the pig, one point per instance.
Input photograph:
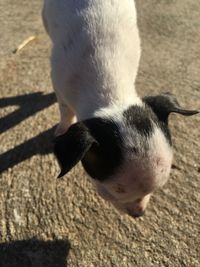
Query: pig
{"points": [[122, 140]]}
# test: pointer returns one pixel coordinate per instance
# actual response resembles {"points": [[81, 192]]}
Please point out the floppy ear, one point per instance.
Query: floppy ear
{"points": [[71, 147], [164, 104]]}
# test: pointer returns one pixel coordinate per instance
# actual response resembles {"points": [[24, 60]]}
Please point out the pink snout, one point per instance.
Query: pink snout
{"points": [[137, 208], [134, 209]]}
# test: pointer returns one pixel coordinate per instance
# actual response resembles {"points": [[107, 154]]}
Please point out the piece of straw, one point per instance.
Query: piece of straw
{"points": [[24, 43]]}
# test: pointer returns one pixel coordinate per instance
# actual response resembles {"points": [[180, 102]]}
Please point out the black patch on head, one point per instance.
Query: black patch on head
{"points": [[142, 117], [105, 156], [139, 118]]}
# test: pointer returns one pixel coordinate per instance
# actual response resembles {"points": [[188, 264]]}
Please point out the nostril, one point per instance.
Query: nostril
{"points": [[135, 214]]}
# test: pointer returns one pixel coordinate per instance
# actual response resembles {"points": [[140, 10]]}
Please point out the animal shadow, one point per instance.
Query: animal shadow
{"points": [[40, 144], [28, 105], [34, 253]]}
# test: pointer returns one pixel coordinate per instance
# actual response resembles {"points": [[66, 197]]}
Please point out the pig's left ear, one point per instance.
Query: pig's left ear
{"points": [[72, 146], [164, 104]]}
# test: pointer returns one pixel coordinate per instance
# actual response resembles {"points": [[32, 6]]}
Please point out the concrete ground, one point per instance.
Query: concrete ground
{"points": [[46, 223]]}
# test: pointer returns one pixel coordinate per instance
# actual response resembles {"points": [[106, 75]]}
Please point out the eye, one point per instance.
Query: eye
{"points": [[119, 189]]}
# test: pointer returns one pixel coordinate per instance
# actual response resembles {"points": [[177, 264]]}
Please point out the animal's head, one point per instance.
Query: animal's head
{"points": [[128, 153]]}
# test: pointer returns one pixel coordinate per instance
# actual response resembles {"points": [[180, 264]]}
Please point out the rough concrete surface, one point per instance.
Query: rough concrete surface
{"points": [[46, 223]]}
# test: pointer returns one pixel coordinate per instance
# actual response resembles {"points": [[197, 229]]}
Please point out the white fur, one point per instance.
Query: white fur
{"points": [[95, 54]]}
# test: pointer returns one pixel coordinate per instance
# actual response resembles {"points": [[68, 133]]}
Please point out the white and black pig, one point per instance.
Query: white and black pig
{"points": [[123, 141]]}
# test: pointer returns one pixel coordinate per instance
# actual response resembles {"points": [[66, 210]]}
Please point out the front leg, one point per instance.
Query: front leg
{"points": [[67, 118], [59, 80]]}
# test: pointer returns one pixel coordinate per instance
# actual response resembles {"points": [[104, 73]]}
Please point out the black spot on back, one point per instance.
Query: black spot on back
{"points": [[104, 157]]}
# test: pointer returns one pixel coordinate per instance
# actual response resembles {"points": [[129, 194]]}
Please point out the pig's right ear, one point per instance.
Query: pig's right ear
{"points": [[166, 103], [71, 147]]}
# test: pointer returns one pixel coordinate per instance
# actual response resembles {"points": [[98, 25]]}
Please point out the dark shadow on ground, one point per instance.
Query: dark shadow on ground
{"points": [[28, 106], [34, 253], [41, 144]]}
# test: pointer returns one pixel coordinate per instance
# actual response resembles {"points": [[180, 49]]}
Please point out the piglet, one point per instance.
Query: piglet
{"points": [[123, 141]]}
